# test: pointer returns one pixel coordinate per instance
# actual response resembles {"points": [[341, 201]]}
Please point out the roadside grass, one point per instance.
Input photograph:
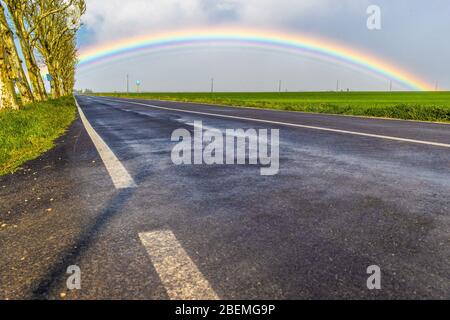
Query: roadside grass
{"points": [[30, 131], [423, 106]]}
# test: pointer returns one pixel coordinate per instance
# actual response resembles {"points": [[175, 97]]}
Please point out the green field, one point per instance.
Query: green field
{"points": [[30, 131], [426, 106]]}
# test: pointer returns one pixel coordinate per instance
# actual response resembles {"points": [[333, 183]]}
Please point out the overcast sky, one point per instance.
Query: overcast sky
{"points": [[414, 35]]}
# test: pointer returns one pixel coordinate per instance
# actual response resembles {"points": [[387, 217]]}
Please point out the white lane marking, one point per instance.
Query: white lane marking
{"points": [[178, 273], [119, 175], [430, 143]]}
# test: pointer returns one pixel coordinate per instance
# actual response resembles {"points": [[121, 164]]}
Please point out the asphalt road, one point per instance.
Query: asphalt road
{"points": [[362, 194]]}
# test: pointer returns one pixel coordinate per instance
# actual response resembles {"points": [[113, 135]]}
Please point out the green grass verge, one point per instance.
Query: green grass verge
{"points": [[30, 131], [425, 106]]}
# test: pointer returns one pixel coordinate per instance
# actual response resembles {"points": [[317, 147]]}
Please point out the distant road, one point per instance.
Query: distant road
{"points": [[351, 192]]}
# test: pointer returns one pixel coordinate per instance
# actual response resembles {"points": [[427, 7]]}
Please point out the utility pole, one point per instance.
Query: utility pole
{"points": [[128, 83], [337, 86], [390, 85], [212, 85], [279, 86]]}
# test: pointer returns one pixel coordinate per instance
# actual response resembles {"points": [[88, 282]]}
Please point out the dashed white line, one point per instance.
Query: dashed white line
{"points": [[430, 143], [119, 175], [178, 273]]}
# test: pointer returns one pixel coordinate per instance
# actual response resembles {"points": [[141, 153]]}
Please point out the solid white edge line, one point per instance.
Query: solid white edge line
{"points": [[119, 175], [436, 144], [176, 270]]}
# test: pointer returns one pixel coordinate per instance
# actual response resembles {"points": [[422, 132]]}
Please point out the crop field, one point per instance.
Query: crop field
{"points": [[426, 106]]}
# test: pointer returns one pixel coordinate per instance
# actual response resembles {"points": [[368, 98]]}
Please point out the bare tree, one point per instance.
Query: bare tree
{"points": [[17, 10], [15, 64], [47, 29], [54, 38], [8, 99], [67, 70]]}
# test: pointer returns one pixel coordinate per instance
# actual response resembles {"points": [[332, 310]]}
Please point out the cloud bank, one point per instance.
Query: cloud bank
{"points": [[113, 19]]}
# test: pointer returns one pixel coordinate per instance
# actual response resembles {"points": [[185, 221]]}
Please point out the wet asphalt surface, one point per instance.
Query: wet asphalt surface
{"points": [[339, 204]]}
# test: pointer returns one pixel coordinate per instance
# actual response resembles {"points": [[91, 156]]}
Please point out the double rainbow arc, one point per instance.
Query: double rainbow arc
{"points": [[319, 48]]}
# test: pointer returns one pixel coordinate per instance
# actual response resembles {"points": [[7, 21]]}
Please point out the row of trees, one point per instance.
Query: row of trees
{"points": [[44, 32]]}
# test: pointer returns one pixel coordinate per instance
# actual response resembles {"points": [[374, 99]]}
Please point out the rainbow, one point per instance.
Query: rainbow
{"points": [[313, 46]]}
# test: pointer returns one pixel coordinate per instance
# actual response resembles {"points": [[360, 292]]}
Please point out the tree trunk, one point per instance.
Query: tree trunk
{"points": [[37, 84], [7, 38], [8, 99], [54, 82], [34, 73]]}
